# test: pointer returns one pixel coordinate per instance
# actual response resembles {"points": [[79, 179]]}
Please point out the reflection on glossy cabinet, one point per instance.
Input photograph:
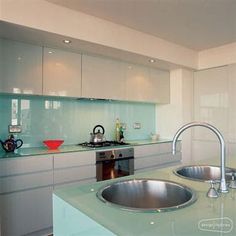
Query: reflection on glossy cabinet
{"points": [[211, 101], [27, 211], [159, 89], [20, 68], [146, 84], [155, 156], [26, 186], [61, 73], [102, 78], [136, 82], [232, 103]]}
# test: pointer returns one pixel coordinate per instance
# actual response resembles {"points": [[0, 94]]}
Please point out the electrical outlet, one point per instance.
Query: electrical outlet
{"points": [[14, 128], [137, 125]]}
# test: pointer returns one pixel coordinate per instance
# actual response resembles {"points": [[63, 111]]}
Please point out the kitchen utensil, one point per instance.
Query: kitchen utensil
{"points": [[11, 144], [97, 136], [53, 143], [154, 137]]}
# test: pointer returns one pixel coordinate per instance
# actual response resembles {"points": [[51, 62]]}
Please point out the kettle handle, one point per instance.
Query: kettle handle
{"points": [[98, 126], [18, 141]]}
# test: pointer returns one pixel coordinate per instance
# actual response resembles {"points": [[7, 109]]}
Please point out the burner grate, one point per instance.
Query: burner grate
{"points": [[102, 144]]}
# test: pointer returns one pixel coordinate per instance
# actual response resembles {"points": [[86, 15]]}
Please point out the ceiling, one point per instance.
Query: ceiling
{"points": [[195, 24]]}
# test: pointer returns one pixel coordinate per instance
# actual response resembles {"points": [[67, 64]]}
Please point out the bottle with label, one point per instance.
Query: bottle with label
{"points": [[117, 136]]}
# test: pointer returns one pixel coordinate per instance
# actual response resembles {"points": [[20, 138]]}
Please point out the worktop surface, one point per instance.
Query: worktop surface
{"points": [[21, 152], [206, 216]]}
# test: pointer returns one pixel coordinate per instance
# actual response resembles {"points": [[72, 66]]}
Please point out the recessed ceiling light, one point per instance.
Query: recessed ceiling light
{"points": [[151, 60], [66, 41], [50, 52]]}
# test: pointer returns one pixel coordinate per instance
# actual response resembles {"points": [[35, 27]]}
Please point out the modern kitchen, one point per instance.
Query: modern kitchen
{"points": [[117, 117]]}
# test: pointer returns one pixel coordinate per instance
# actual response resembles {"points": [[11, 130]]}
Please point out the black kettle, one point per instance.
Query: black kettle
{"points": [[11, 144]]}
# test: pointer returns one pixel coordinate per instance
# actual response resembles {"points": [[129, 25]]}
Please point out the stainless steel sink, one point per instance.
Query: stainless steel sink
{"points": [[147, 195], [202, 172]]}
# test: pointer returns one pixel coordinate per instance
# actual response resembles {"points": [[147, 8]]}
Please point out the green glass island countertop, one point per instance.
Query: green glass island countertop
{"points": [[77, 211]]}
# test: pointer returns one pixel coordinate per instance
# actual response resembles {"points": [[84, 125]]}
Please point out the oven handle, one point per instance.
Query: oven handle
{"points": [[115, 159]]}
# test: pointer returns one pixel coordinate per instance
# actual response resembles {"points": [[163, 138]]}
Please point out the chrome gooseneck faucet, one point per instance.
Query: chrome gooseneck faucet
{"points": [[223, 186]]}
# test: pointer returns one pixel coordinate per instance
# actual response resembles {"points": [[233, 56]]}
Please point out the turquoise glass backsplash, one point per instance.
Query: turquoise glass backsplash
{"points": [[72, 120]]}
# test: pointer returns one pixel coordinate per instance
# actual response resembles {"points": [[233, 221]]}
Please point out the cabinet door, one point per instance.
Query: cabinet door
{"points": [[159, 86], [102, 78], [147, 84], [61, 73], [25, 212], [232, 103], [74, 167], [211, 101], [21, 68], [155, 155], [137, 82], [26, 185]]}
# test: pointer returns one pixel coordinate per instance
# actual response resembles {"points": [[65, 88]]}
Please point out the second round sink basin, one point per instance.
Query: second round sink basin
{"points": [[202, 172], [147, 195]]}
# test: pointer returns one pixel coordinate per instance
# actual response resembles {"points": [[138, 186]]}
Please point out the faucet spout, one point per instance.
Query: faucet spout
{"points": [[223, 186]]}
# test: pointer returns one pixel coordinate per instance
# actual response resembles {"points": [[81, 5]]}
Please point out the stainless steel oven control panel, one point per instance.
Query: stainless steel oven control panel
{"points": [[114, 154]]}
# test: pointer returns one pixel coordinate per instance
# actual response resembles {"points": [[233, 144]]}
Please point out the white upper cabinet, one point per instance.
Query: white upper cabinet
{"points": [[136, 82], [61, 73], [159, 86], [112, 79], [29, 69], [20, 68], [146, 84], [102, 78]]}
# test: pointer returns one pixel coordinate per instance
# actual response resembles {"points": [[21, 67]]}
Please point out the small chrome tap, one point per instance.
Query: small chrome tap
{"points": [[212, 193], [233, 180], [223, 187]]}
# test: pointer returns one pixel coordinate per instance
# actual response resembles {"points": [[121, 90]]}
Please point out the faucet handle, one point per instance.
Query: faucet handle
{"points": [[233, 180], [212, 192]]}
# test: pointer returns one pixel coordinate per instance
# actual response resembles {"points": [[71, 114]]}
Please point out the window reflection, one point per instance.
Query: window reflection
{"points": [[14, 111], [25, 116], [16, 90], [20, 113], [52, 105]]}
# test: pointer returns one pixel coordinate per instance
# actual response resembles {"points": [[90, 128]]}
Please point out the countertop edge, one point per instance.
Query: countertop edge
{"points": [[38, 151]]}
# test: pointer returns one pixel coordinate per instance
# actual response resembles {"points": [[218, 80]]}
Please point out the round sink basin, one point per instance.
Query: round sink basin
{"points": [[149, 195], [202, 172]]}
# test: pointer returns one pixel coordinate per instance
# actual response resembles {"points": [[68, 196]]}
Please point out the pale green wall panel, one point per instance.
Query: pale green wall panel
{"points": [[72, 120]]}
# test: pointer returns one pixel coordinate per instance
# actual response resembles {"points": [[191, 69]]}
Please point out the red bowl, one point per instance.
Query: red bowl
{"points": [[53, 143]]}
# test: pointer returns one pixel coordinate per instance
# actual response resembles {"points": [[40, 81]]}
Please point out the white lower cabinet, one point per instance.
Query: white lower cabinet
{"points": [[74, 168], [154, 156], [27, 184], [26, 195], [26, 212]]}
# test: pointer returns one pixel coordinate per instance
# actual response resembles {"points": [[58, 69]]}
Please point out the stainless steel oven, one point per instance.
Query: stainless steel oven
{"points": [[114, 163]]}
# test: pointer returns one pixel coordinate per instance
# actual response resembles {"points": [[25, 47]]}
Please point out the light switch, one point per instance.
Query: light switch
{"points": [[137, 125]]}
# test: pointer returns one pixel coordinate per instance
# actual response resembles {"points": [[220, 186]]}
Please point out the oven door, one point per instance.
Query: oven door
{"points": [[114, 168]]}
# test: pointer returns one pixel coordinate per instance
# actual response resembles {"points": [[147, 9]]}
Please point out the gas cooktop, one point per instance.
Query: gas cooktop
{"points": [[102, 144]]}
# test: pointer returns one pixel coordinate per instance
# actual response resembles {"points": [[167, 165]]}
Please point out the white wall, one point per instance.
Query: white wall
{"points": [[172, 116], [218, 56], [42, 15]]}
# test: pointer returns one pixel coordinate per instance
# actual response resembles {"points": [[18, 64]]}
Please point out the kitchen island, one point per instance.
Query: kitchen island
{"points": [[77, 211]]}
